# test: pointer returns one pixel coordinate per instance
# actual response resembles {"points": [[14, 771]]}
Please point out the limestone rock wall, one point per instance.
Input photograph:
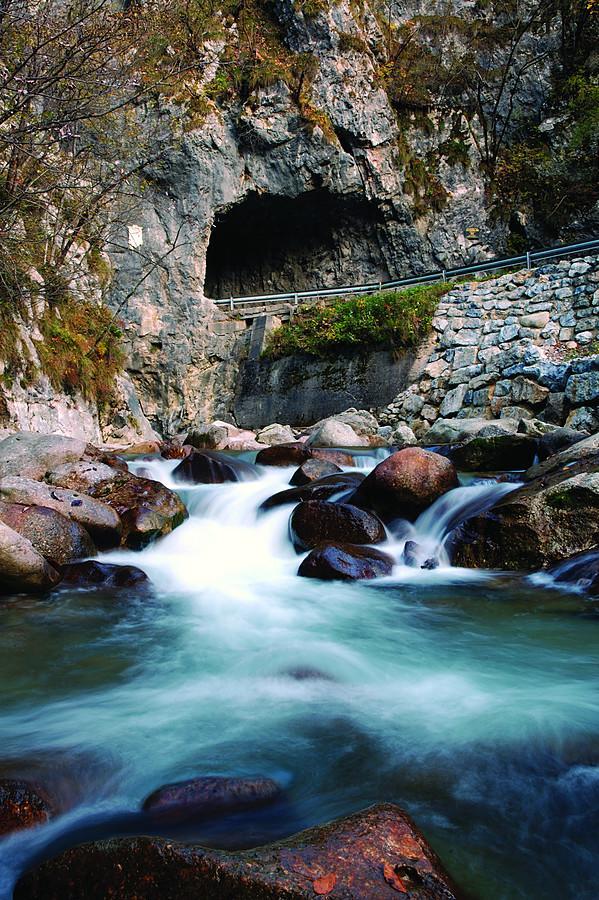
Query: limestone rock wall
{"points": [[521, 345]]}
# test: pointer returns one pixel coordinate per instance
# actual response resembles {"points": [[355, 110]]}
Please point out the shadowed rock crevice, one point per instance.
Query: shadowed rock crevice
{"points": [[270, 244]]}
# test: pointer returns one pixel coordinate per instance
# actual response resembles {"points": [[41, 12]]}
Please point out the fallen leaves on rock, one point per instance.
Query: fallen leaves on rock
{"points": [[393, 879]]}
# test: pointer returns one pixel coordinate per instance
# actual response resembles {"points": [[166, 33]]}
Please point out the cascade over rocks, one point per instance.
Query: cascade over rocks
{"points": [[94, 574], [22, 568], [542, 523], [58, 539], [313, 470], [23, 804], [372, 854], [209, 467], [334, 487], [406, 483], [580, 570], [210, 794], [99, 519], [345, 562], [317, 521]]}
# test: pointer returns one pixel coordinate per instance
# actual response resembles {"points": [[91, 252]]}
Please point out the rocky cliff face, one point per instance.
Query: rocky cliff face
{"points": [[260, 199]]}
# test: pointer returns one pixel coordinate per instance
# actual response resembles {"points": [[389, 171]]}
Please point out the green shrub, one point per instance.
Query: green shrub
{"points": [[389, 319]]}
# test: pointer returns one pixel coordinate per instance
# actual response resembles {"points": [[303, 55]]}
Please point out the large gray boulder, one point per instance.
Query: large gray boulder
{"points": [[450, 431], [22, 568], [333, 433], [32, 455], [81, 476], [276, 434], [102, 522]]}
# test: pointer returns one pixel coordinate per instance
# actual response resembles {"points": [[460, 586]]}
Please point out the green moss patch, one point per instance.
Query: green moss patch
{"points": [[385, 320]]}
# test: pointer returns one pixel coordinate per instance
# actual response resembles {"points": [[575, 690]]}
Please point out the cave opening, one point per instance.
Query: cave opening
{"points": [[274, 244]]}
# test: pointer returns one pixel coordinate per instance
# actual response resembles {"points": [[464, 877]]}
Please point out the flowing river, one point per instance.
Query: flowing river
{"points": [[469, 698]]}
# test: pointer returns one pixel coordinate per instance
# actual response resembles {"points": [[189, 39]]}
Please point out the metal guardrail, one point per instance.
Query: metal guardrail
{"points": [[489, 265]]}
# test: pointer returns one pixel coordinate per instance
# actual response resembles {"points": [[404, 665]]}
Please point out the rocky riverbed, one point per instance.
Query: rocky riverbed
{"points": [[227, 638]]}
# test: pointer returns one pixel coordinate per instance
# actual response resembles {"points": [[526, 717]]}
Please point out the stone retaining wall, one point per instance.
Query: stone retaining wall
{"points": [[522, 345]]}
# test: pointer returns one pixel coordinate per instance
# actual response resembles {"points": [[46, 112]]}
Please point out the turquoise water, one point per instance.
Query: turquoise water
{"points": [[470, 699]]}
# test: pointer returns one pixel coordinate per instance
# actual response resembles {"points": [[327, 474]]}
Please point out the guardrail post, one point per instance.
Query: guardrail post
{"points": [[231, 304], [444, 275], [295, 299], [528, 259]]}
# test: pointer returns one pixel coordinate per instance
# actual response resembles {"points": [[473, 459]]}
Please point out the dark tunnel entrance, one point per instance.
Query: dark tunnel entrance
{"points": [[270, 244]]}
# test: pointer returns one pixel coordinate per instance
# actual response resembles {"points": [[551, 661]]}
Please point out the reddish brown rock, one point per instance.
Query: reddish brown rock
{"points": [[313, 470], [55, 537], [172, 450], [144, 448], [318, 521], [376, 854], [345, 562], [23, 804], [148, 509], [210, 467], [406, 483], [284, 455], [210, 794], [340, 457]]}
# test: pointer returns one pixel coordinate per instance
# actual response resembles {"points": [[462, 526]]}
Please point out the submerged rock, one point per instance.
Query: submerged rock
{"points": [[284, 455], [406, 483], [92, 573], [313, 470], [210, 794], [99, 519], [208, 467], [58, 539], [317, 521], [32, 455], [581, 571], [376, 854], [495, 452], [23, 804], [345, 562], [22, 568]]}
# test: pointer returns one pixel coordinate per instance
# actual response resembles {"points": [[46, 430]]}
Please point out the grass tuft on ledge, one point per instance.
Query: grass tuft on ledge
{"points": [[386, 320]]}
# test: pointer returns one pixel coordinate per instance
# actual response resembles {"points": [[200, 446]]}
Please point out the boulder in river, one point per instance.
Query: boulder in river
{"points": [[22, 568], [335, 433], [210, 794], [313, 470], [58, 539], [91, 573], [340, 457], [535, 526], [406, 483], [210, 467], [148, 510], [32, 455], [82, 476], [495, 452], [345, 562], [99, 519], [23, 804], [332, 486], [583, 452], [318, 521], [275, 434], [451, 431], [284, 455], [376, 854]]}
